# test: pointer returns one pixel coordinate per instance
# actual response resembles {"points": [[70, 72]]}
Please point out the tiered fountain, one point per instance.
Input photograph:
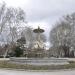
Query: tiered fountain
{"points": [[39, 56]]}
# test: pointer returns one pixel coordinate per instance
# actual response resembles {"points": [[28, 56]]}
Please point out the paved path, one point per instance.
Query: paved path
{"points": [[13, 72]]}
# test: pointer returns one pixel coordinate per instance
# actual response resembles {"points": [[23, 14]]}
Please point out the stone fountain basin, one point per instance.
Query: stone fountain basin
{"points": [[40, 61]]}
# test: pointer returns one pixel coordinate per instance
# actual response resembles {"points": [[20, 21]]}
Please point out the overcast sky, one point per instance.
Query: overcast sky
{"points": [[44, 13]]}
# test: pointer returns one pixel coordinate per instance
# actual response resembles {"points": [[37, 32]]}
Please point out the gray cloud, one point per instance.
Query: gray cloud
{"points": [[46, 11]]}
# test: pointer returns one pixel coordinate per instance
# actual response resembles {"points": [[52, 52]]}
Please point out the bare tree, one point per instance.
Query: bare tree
{"points": [[63, 33], [16, 17], [3, 19], [10, 20]]}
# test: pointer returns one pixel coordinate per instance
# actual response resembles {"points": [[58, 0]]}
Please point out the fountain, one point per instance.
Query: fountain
{"points": [[38, 53], [38, 43]]}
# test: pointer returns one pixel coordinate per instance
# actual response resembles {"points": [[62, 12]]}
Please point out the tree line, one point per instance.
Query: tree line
{"points": [[15, 31], [63, 35]]}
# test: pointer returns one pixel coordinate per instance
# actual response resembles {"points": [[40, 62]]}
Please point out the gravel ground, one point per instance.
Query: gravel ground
{"points": [[15, 72]]}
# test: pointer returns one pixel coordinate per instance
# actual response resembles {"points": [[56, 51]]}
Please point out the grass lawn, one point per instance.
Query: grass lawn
{"points": [[7, 64]]}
